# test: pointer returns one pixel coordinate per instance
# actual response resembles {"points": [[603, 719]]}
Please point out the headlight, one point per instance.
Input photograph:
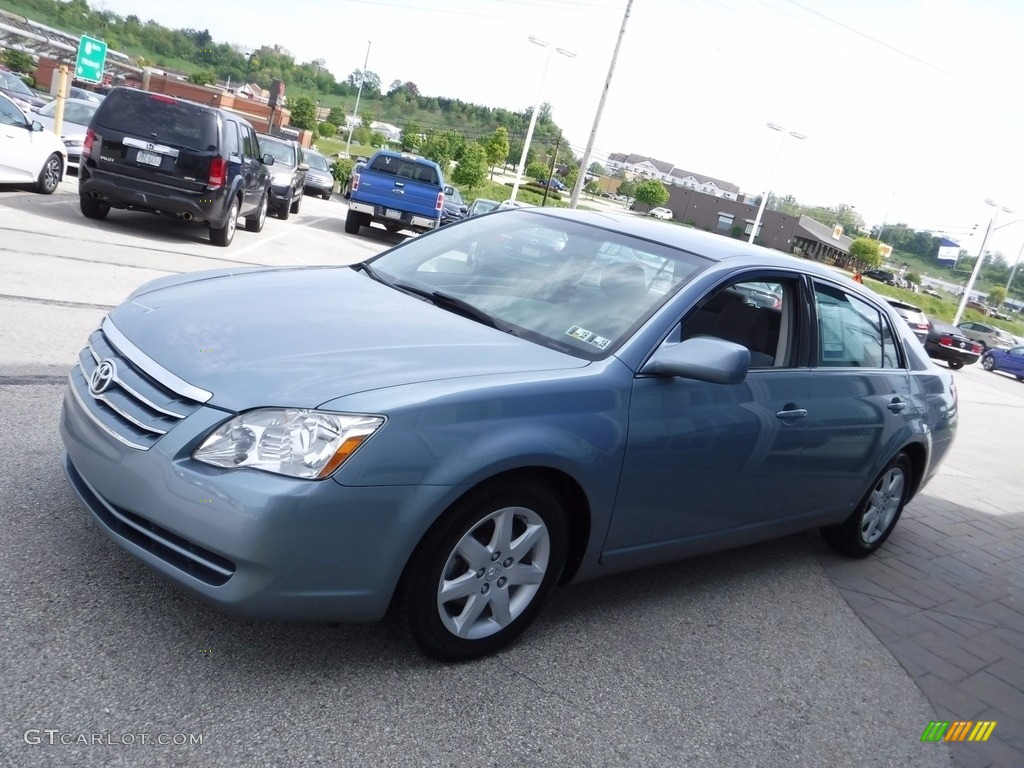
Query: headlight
{"points": [[288, 441], [282, 179]]}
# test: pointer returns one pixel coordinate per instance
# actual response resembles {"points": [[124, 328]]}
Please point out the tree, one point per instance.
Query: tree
{"points": [[592, 188], [536, 170], [18, 61], [370, 81], [996, 295], [304, 113], [336, 116], [597, 168], [411, 136], [497, 148], [866, 251], [327, 129], [472, 168], [202, 77], [627, 188], [442, 148], [651, 192], [341, 169]]}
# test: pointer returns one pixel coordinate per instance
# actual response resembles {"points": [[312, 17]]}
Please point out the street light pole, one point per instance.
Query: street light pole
{"points": [[536, 109], [1014, 270], [355, 112], [768, 186], [977, 264]]}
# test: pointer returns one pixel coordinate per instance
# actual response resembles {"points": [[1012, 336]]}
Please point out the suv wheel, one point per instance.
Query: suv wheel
{"points": [[255, 222], [93, 209], [296, 203], [223, 236], [284, 211]]}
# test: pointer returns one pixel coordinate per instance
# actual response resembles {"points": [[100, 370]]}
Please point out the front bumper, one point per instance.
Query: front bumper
{"points": [[279, 197], [253, 544]]}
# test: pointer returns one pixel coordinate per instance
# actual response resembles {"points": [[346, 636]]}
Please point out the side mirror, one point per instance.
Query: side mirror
{"points": [[449, 190], [464, 209], [303, 166], [704, 358], [36, 126], [268, 159]]}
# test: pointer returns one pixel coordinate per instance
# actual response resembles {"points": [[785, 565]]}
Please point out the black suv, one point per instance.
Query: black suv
{"points": [[150, 152], [288, 179]]}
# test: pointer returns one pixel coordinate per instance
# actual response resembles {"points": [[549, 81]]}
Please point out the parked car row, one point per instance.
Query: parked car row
{"points": [[29, 154]]}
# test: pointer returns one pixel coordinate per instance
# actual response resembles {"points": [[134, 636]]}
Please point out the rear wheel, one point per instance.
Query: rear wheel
{"points": [[480, 577], [876, 515], [956, 365], [50, 175], [353, 221], [988, 363], [255, 222], [223, 236], [93, 209]]}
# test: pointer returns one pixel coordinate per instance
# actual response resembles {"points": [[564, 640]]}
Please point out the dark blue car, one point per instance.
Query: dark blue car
{"points": [[1005, 360]]}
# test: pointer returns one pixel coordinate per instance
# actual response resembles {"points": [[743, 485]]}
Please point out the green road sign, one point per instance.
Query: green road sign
{"points": [[92, 55]]}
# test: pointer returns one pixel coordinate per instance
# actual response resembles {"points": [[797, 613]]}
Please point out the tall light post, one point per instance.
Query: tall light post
{"points": [[768, 186], [355, 112], [1014, 270], [977, 264], [536, 109]]}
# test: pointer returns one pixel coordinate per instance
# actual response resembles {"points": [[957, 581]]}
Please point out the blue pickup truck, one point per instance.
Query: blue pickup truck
{"points": [[398, 190]]}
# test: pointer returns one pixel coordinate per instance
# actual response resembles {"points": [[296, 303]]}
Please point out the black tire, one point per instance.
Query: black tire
{"points": [[327, 195], [255, 222], [956, 365], [493, 599], [223, 236], [874, 518], [988, 363], [284, 211], [50, 175], [296, 203], [353, 221], [93, 209]]}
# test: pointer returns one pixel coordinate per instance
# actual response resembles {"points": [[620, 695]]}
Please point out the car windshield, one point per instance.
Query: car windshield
{"points": [[12, 82], [284, 154], [75, 112], [569, 286], [317, 161]]}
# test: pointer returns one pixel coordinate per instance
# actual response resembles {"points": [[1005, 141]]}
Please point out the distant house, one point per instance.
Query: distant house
{"points": [[641, 166]]}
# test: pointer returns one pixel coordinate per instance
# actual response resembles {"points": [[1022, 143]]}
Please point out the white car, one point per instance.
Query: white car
{"points": [[660, 213], [29, 154]]}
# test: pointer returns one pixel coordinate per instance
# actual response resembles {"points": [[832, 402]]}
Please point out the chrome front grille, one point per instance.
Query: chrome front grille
{"points": [[129, 396]]}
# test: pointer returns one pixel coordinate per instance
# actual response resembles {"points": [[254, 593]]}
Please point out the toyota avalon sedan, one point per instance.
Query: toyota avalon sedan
{"points": [[458, 425]]}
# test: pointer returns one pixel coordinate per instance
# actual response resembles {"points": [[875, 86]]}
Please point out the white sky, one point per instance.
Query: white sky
{"points": [[910, 106]]}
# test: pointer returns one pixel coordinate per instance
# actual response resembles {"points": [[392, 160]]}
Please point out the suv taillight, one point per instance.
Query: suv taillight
{"points": [[218, 173], [90, 137], [440, 201]]}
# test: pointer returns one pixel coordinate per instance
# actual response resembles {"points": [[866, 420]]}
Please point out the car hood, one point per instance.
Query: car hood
{"points": [[318, 175], [305, 336]]}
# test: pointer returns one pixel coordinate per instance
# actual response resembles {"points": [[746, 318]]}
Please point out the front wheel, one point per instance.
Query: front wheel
{"points": [[50, 175], [480, 577], [296, 203], [874, 518], [255, 222], [988, 363]]}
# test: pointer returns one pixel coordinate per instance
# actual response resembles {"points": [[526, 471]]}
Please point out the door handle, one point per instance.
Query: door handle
{"points": [[791, 413], [897, 405]]}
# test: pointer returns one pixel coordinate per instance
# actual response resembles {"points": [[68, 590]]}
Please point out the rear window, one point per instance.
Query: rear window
{"points": [[160, 118], [405, 169]]}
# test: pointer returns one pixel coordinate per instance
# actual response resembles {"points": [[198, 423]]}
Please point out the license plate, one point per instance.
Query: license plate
{"points": [[148, 158], [388, 213]]}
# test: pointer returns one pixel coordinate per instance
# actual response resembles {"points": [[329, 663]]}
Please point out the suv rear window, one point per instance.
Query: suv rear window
{"points": [[406, 169], [159, 117]]}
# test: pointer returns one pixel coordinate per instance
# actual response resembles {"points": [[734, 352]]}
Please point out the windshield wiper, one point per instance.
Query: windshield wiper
{"points": [[370, 271], [441, 299]]}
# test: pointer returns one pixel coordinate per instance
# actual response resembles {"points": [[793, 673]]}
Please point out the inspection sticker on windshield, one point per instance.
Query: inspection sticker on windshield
{"points": [[582, 334]]}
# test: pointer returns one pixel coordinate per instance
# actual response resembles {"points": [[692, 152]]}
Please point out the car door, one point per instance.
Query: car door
{"points": [[256, 175], [1013, 361], [706, 462], [20, 158], [860, 403]]}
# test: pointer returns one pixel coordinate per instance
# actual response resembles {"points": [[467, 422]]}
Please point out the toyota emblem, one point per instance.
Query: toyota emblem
{"points": [[102, 377]]}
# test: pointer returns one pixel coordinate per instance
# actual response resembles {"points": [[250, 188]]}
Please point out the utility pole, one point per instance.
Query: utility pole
{"points": [[551, 172], [585, 163], [355, 112]]}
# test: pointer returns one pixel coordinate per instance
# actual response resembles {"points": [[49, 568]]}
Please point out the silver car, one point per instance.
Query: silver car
{"points": [[77, 116], [987, 335], [460, 424]]}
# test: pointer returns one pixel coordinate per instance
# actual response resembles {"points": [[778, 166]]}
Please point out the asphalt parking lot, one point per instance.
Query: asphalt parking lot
{"points": [[781, 654]]}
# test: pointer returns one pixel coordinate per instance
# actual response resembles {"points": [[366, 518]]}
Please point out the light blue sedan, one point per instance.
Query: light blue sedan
{"points": [[515, 401]]}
